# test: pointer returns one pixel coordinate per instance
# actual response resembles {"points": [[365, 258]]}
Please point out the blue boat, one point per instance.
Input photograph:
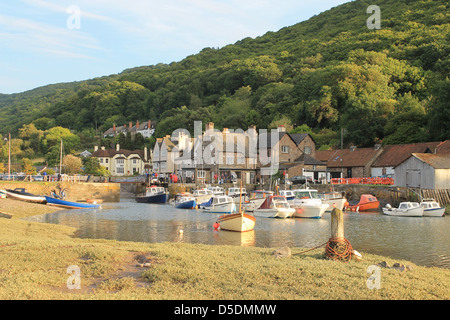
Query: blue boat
{"points": [[184, 200], [153, 194], [69, 204]]}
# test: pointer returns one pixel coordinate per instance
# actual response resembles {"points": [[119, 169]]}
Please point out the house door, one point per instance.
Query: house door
{"points": [[349, 173]]}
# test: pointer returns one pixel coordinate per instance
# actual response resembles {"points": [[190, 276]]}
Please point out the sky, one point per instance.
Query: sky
{"points": [[51, 41]]}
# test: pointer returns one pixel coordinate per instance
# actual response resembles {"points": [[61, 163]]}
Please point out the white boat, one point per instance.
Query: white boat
{"points": [[275, 207], [219, 204], [431, 208], [256, 199], [236, 193], [405, 209], [334, 200], [202, 195], [21, 194], [289, 194], [307, 204], [238, 222], [216, 190]]}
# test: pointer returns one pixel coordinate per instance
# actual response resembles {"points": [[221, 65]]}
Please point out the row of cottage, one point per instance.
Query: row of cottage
{"points": [[223, 156]]}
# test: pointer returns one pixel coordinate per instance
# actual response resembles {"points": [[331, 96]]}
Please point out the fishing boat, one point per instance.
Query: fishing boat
{"points": [[289, 194], [307, 204], [202, 195], [256, 199], [21, 194], [235, 194], [405, 209], [219, 204], [431, 208], [69, 204], [153, 194], [334, 200], [216, 190], [365, 203], [275, 207], [184, 201]]}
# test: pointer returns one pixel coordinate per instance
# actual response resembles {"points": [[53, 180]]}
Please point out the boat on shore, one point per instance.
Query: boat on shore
{"points": [[405, 209], [307, 204], [21, 194], [366, 202], [431, 208], [275, 207], [69, 204], [2, 194], [219, 204], [334, 200], [153, 194]]}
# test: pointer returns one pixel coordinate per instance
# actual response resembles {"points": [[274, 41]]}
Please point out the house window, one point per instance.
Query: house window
{"points": [[106, 160], [284, 149], [134, 161], [307, 150], [120, 161], [201, 174], [120, 170], [101, 160]]}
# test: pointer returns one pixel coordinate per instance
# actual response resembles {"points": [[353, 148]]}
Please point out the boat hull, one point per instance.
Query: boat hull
{"points": [[221, 208], [415, 212], [69, 204], [275, 213], [438, 212], [25, 197], [191, 204], [237, 222], [310, 212], [158, 198], [340, 204]]}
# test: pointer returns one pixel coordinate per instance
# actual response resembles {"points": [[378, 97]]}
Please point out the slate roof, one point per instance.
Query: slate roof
{"points": [[393, 155], [359, 157]]}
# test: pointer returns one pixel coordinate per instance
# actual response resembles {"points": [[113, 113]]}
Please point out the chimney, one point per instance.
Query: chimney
{"points": [[281, 128], [352, 148], [117, 147], [159, 140], [149, 124], [137, 125], [377, 146], [145, 154], [103, 148], [210, 126], [95, 148], [114, 128], [131, 125], [225, 130]]}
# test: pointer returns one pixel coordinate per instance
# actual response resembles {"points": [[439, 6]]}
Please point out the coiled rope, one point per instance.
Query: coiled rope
{"points": [[336, 249]]}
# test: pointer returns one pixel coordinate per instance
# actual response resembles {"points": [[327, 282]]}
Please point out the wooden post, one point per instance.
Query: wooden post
{"points": [[337, 224]]}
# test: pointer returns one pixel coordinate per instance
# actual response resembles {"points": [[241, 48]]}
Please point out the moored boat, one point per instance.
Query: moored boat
{"points": [[216, 190], [202, 195], [334, 200], [405, 209], [185, 201], [307, 204], [21, 194], [431, 208], [289, 194], [238, 222], [256, 199], [365, 203], [153, 194], [275, 207], [219, 204], [236, 194], [69, 204]]}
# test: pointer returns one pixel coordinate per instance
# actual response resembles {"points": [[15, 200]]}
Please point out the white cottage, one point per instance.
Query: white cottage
{"points": [[424, 170]]}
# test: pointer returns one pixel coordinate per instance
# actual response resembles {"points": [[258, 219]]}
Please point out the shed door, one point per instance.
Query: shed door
{"points": [[413, 178]]}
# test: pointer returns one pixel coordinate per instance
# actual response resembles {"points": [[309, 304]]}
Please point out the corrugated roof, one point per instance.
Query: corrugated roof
{"points": [[437, 161], [393, 155]]}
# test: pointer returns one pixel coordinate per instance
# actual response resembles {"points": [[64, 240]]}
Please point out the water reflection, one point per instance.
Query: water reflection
{"points": [[424, 240]]}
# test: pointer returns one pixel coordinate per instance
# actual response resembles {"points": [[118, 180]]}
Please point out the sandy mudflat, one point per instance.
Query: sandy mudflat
{"points": [[22, 209]]}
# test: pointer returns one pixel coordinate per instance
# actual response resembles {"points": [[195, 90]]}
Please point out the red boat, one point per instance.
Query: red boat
{"points": [[367, 202]]}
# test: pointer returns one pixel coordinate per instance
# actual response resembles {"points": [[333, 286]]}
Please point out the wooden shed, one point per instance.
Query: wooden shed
{"points": [[424, 170]]}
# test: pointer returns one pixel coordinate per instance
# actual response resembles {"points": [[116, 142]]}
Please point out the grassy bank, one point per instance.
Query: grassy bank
{"points": [[34, 258]]}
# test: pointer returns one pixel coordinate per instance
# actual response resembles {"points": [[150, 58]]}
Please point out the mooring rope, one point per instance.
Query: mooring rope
{"points": [[336, 249]]}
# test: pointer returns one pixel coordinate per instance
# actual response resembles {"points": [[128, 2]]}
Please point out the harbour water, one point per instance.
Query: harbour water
{"points": [[424, 241]]}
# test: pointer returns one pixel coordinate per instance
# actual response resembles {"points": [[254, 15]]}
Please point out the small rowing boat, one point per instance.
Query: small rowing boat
{"points": [[69, 204]]}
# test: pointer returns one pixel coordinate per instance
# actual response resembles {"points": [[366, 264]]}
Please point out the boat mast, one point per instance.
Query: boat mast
{"points": [[9, 156], [240, 199], [60, 160]]}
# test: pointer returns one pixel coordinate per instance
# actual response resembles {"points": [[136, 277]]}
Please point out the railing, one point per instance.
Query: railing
{"points": [[372, 180]]}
